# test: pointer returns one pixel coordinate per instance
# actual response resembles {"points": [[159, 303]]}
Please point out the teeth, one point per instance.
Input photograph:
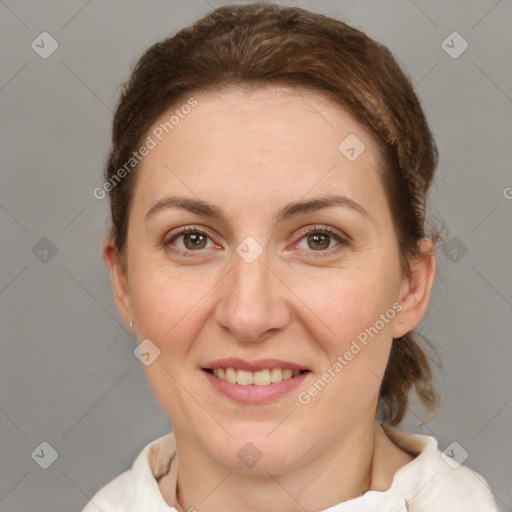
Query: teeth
{"points": [[259, 378], [243, 377], [276, 375], [287, 374], [230, 375]]}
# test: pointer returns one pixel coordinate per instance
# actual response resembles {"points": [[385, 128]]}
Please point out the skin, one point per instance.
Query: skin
{"points": [[250, 154]]}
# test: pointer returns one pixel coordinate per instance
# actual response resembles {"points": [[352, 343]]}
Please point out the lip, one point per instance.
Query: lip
{"points": [[252, 394], [253, 366]]}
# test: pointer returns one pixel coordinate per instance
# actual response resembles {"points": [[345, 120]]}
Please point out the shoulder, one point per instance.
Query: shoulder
{"points": [[115, 496], [438, 481], [452, 490], [462, 486], [137, 489]]}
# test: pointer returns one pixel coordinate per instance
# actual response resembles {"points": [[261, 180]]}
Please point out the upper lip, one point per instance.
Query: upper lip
{"points": [[253, 366]]}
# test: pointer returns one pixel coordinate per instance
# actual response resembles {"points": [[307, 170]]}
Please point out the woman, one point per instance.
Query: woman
{"points": [[267, 181]]}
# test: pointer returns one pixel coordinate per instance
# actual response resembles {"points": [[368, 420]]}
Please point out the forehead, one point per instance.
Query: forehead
{"points": [[259, 147]]}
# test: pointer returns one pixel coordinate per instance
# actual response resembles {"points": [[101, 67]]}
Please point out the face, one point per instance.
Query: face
{"points": [[267, 279]]}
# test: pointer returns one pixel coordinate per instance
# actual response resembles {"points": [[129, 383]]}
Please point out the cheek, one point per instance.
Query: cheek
{"points": [[167, 308], [335, 305], [343, 303], [352, 326], [171, 314]]}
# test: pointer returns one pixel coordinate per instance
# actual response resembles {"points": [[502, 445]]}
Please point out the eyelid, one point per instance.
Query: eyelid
{"points": [[184, 230], [343, 239], [167, 242], [324, 228]]}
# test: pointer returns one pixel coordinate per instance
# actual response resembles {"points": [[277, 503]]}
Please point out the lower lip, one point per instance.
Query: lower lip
{"points": [[255, 394]]}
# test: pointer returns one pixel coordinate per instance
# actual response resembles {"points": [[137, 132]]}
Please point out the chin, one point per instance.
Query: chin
{"points": [[256, 452]]}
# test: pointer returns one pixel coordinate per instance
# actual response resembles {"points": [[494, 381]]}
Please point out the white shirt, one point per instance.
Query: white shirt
{"points": [[431, 482]]}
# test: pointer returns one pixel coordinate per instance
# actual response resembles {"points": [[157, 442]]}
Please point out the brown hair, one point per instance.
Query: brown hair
{"points": [[261, 44]]}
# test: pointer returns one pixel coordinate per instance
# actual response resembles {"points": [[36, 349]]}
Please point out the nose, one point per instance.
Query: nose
{"points": [[253, 303]]}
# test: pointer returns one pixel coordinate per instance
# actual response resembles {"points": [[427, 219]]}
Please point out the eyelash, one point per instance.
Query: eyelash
{"points": [[317, 229], [322, 229], [167, 243]]}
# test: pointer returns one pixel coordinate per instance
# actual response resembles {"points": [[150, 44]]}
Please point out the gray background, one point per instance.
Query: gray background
{"points": [[68, 375]]}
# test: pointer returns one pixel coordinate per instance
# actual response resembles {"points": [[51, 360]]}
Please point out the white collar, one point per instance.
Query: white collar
{"points": [[159, 457]]}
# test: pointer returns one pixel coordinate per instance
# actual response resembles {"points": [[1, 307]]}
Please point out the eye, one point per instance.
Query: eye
{"points": [[319, 239], [193, 239]]}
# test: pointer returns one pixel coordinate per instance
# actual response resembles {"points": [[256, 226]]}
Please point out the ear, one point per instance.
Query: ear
{"points": [[119, 278], [415, 292]]}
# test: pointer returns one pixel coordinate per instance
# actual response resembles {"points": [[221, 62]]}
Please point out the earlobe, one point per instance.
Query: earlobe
{"points": [[118, 277], [415, 292]]}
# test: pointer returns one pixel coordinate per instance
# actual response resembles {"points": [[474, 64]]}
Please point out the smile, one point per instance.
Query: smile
{"points": [[254, 382], [259, 378]]}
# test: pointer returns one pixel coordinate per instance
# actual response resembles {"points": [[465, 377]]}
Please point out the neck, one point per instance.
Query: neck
{"points": [[355, 463]]}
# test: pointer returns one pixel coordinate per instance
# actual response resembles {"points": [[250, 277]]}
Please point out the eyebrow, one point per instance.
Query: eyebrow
{"points": [[295, 208]]}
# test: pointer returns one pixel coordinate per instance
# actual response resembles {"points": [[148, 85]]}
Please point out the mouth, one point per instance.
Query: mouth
{"points": [[263, 377], [255, 381]]}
